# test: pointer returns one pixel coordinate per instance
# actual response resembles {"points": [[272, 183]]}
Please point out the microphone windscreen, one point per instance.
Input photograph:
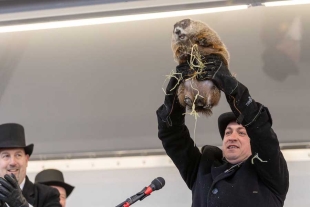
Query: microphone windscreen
{"points": [[158, 183]]}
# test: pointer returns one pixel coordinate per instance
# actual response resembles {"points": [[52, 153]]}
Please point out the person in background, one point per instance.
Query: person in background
{"points": [[15, 188], [55, 179]]}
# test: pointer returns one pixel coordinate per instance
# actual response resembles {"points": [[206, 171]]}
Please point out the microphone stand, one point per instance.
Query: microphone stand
{"points": [[138, 197]]}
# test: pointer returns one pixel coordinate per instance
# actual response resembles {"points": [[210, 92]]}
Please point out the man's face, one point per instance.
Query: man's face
{"points": [[236, 143], [62, 195], [14, 161]]}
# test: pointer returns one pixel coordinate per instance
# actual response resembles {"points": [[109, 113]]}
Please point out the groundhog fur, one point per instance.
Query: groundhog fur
{"points": [[187, 33]]}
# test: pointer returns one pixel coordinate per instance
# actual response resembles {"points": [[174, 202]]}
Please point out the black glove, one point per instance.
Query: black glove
{"points": [[243, 106], [185, 70], [11, 193], [171, 112]]}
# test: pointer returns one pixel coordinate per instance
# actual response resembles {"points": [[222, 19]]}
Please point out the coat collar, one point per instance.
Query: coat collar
{"points": [[28, 191], [216, 171], [224, 171]]}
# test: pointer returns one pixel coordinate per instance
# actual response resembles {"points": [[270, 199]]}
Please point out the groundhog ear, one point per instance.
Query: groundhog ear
{"points": [[202, 41]]}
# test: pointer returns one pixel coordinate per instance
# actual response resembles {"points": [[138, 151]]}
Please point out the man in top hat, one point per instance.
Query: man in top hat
{"points": [[15, 188], [249, 170], [54, 178]]}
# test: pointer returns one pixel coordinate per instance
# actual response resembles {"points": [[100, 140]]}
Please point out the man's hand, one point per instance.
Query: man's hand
{"points": [[11, 193], [216, 70], [171, 112], [237, 95]]}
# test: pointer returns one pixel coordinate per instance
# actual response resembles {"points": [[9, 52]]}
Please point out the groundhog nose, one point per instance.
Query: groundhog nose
{"points": [[177, 31]]}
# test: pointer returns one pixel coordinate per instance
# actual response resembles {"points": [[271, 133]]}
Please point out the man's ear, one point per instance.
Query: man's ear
{"points": [[27, 159]]}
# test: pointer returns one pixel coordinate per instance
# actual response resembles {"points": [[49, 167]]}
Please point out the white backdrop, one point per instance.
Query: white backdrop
{"points": [[99, 86]]}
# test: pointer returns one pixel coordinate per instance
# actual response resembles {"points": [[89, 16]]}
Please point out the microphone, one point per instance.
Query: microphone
{"points": [[156, 184]]}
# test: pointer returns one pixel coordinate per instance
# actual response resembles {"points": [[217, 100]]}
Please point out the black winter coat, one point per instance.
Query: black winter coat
{"points": [[39, 195], [216, 183]]}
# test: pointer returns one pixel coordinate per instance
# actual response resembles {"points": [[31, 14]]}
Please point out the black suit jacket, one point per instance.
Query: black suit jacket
{"points": [[39, 195]]}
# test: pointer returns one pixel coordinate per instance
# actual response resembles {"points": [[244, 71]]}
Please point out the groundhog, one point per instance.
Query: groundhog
{"points": [[186, 34]]}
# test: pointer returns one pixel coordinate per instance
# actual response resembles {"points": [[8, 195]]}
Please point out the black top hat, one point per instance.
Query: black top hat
{"points": [[53, 177], [12, 135], [223, 120]]}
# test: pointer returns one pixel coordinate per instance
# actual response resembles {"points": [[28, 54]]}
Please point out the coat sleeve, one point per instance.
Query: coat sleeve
{"points": [[181, 149], [267, 158], [52, 199]]}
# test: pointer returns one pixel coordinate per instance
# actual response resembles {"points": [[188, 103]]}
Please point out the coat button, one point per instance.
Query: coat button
{"points": [[215, 191]]}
